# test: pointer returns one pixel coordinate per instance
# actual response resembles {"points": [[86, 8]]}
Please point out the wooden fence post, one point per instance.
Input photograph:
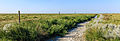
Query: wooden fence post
{"points": [[59, 12], [19, 16]]}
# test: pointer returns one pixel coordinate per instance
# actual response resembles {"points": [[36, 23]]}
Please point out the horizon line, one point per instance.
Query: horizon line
{"points": [[61, 13]]}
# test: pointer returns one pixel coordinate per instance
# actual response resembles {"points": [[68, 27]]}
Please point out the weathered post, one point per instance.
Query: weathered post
{"points": [[59, 12], [19, 16]]}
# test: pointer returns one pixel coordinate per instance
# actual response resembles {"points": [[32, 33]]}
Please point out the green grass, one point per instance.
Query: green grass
{"points": [[103, 32], [42, 27], [97, 34]]}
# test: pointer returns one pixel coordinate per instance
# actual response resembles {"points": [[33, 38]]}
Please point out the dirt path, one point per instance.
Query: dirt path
{"points": [[98, 19], [76, 34]]}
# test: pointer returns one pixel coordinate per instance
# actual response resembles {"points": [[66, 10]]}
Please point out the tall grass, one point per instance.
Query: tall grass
{"points": [[40, 30], [108, 29]]}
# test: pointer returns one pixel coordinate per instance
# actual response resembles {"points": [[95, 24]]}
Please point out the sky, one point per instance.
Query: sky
{"points": [[64, 6]]}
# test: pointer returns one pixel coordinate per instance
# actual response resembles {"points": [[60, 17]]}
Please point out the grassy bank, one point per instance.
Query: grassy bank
{"points": [[107, 29]]}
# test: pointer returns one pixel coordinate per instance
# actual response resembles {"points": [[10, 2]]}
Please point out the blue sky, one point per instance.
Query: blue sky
{"points": [[65, 6]]}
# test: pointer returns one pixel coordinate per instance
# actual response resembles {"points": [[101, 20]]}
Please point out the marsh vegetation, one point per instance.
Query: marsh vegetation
{"points": [[38, 27], [107, 28]]}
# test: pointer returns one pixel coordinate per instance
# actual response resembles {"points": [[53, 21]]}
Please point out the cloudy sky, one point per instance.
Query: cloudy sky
{"points": [[65, 6]]}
